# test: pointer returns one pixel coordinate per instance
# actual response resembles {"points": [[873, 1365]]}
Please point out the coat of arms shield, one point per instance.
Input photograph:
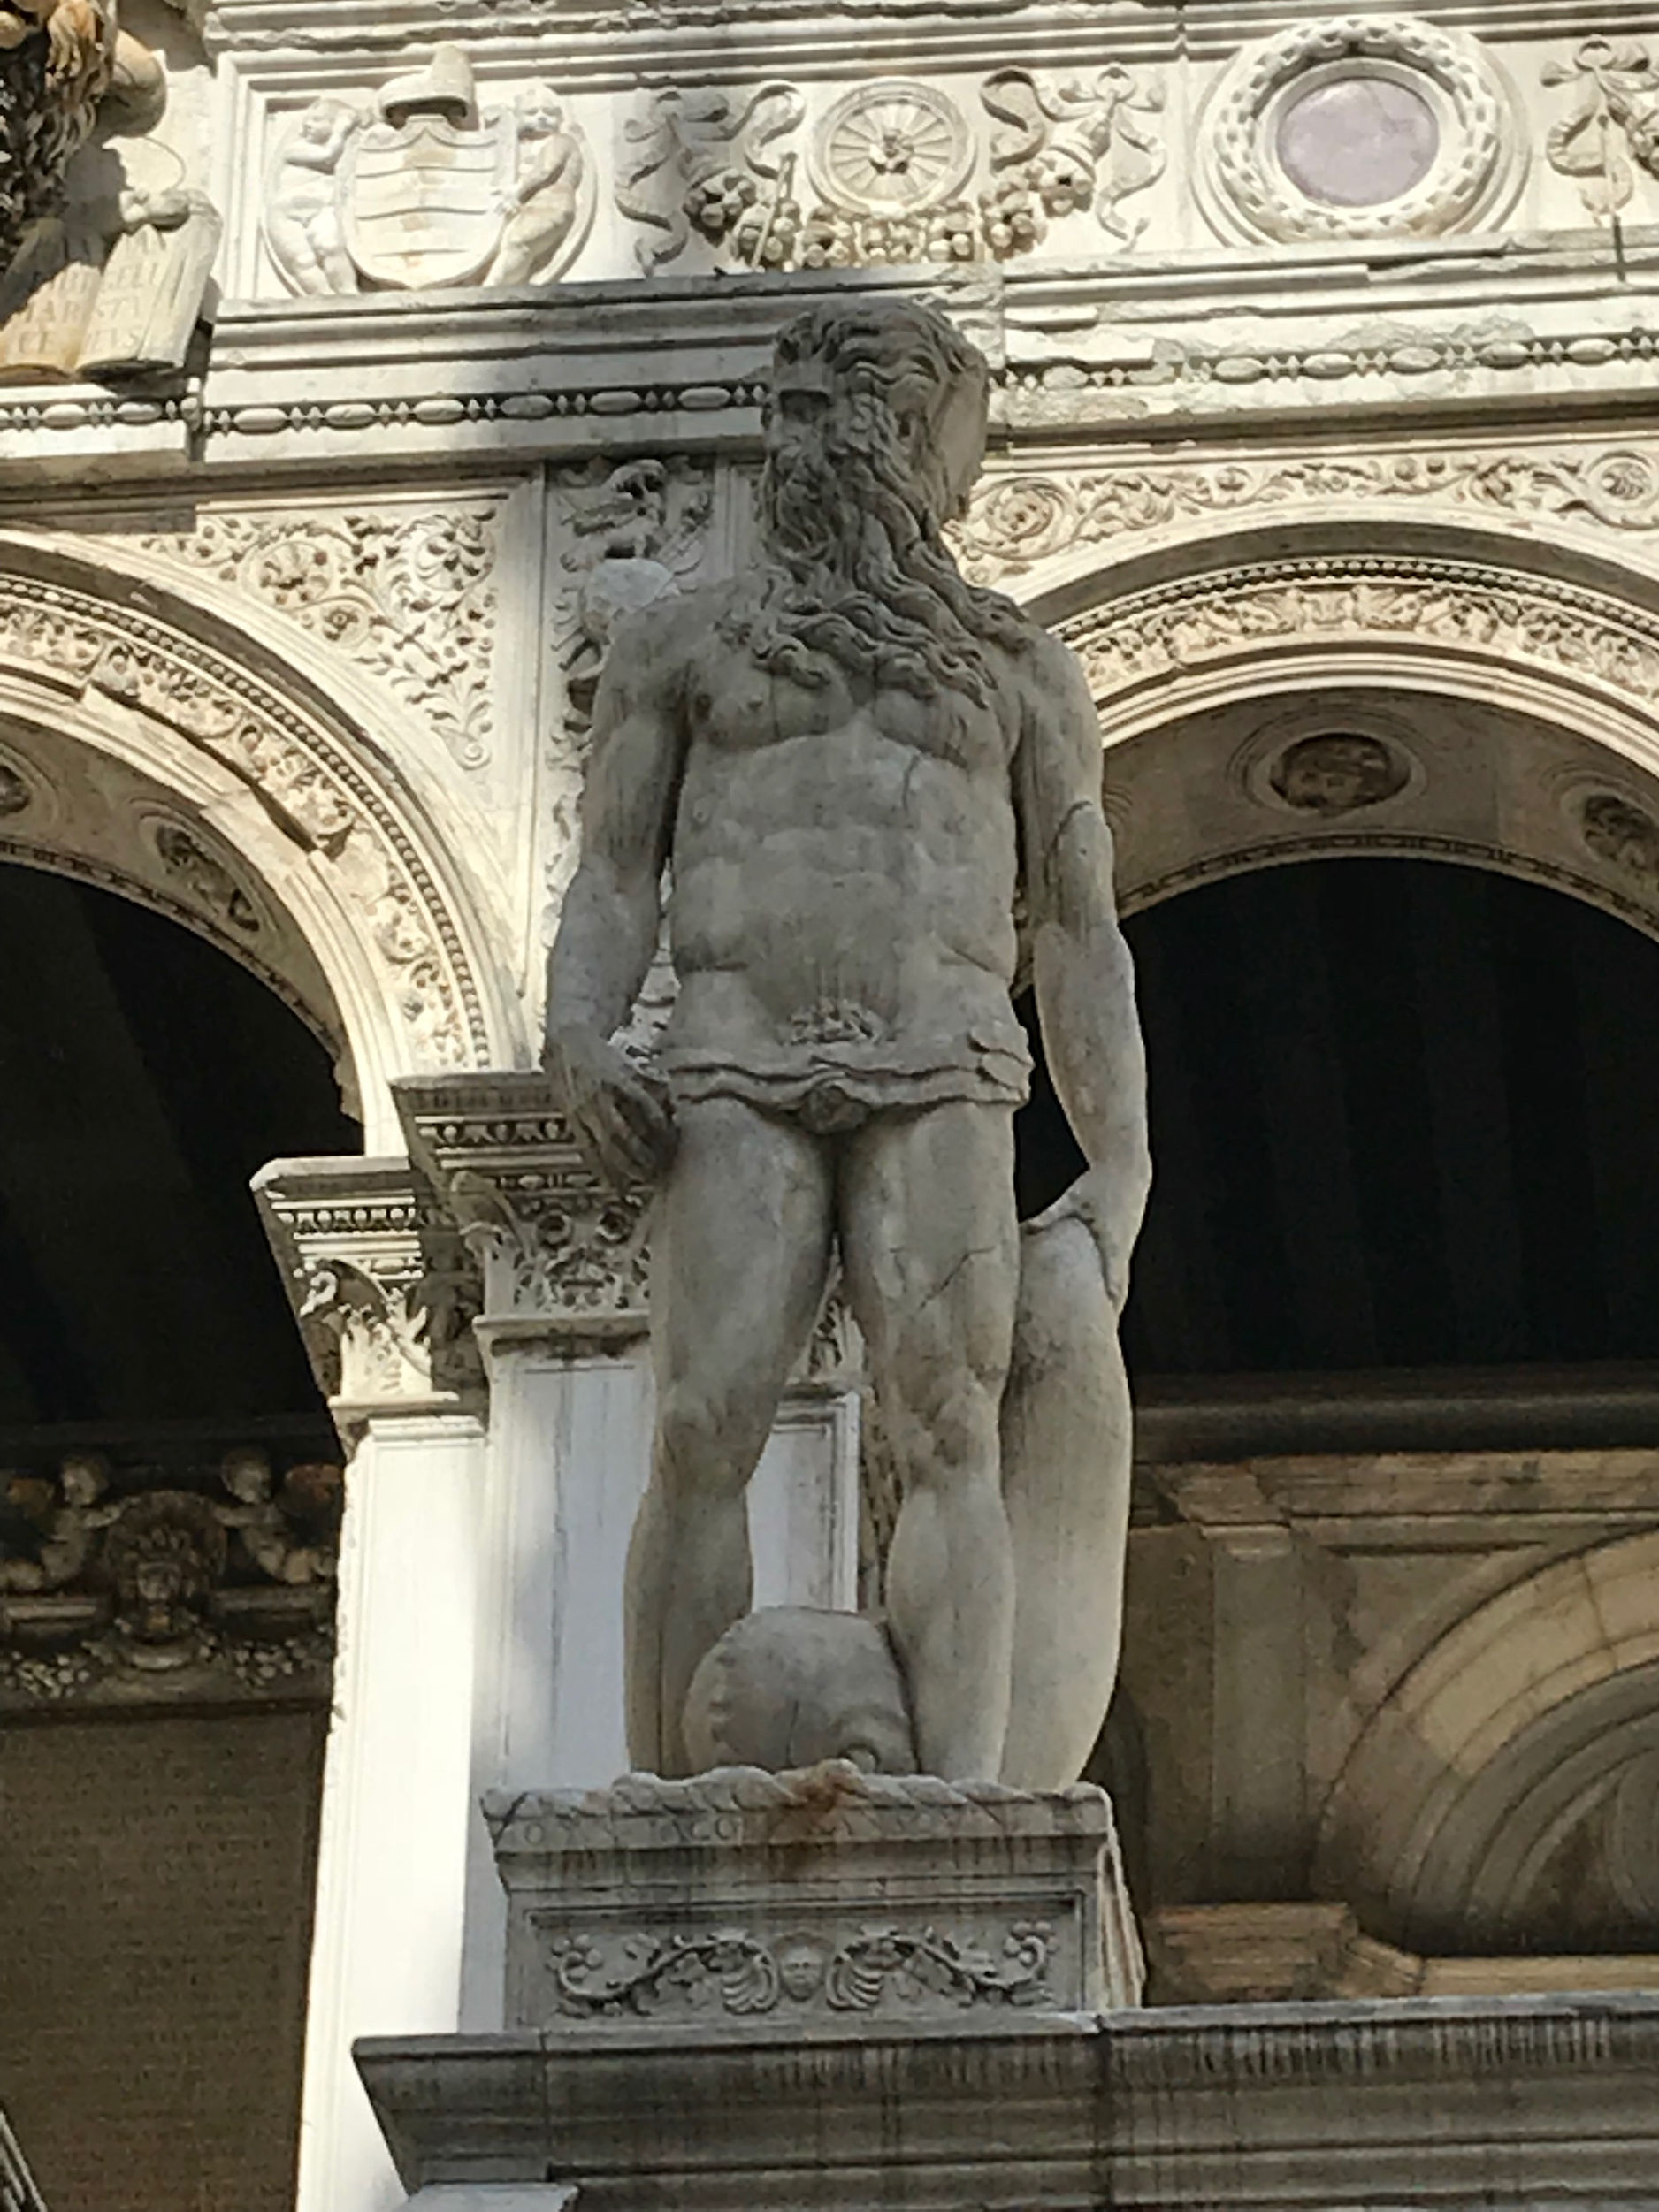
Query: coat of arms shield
{"points": [[423, 201]]}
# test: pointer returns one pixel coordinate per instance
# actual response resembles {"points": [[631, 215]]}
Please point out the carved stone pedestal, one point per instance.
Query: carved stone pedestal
{"points": [[825, 1899]]}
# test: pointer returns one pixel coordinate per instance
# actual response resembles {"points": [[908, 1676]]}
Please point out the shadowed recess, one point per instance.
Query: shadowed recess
{"points": [[143, 1078], [1402, 1118]]}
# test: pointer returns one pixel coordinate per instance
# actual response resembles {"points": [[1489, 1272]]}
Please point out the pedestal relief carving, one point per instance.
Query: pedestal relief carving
{"points": [[429, 189], [823, 1897], [116, 1591], [1271, 166]]}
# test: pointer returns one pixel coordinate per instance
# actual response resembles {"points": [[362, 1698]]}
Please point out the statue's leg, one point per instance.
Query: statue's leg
{"points": [[1065, 1457], [739, 1254], [931, 1248]]}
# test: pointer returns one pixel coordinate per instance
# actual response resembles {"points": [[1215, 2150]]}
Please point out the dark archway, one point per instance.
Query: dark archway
{"points": [[158, 1830], [1403, 1119]]}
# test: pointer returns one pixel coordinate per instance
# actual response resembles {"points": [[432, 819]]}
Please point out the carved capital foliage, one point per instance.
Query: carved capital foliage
{"points": [[130, 1580], [380, 1282], [560, 1253]]}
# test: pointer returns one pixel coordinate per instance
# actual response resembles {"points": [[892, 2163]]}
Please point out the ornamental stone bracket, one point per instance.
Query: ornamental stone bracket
{"points": [[380, 1282], [560, 1255]]}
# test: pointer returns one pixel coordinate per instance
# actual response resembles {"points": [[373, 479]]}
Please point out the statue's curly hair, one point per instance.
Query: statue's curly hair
{"points": [[864, 580]]}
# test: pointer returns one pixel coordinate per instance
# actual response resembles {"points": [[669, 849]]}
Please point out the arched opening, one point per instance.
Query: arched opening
{"points": [[167, 1506], [1394, 1338], [1399, 1114]]}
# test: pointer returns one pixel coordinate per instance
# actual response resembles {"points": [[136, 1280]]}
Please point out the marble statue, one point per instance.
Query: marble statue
{"points": [[850, 762]]}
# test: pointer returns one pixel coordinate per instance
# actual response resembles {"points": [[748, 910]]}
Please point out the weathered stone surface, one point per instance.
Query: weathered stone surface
{"points": [[819, 1898], [1457, 2103]]}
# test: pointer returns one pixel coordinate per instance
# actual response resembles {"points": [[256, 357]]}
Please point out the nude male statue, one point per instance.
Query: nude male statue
{"points": [[850, 759]]}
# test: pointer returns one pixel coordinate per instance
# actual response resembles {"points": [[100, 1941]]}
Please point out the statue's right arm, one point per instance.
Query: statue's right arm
{"points": [[613, 910]]}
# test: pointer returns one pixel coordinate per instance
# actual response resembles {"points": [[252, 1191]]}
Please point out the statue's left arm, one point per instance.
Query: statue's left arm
{"points": [[1083, 974]]}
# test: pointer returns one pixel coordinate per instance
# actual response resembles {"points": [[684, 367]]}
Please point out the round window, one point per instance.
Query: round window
{"points": [[1357, 141]]}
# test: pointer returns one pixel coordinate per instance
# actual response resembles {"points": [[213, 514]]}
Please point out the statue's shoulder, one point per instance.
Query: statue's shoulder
{"points": [[668, 627]]}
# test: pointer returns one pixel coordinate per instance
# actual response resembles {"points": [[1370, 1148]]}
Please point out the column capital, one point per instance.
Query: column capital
{"points": [[381, 1284], [563, 1256]]}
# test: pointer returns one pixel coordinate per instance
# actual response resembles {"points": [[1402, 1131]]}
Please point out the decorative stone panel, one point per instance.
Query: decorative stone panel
{"points": [[823, 1897], [1358, 126]]}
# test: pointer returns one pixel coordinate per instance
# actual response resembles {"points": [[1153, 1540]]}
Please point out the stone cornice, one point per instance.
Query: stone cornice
{"points": [[1476, 2101]]}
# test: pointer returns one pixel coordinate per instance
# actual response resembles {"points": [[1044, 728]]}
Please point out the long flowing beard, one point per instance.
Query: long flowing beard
{"points": [[868, 587]]}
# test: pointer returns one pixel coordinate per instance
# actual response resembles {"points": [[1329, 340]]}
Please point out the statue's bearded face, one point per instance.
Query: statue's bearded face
{"points": [[829, 438], [875, 436]]}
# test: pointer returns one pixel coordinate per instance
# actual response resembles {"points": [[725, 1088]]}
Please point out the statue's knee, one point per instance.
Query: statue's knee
{"points": [[943, 1425], [704, 1439]]}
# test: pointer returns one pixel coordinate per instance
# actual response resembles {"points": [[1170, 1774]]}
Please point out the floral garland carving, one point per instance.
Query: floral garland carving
{"points": [[411, 597], [1017, 522], [745, 1973]]}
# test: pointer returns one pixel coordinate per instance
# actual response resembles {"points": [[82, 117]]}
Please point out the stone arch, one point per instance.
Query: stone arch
{"points": [[1504, 1734], [247, 801], [1214, 653]]}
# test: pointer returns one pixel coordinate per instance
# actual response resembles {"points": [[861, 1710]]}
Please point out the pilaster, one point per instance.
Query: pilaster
{"points": [[383, 1295], [564, 1273]]}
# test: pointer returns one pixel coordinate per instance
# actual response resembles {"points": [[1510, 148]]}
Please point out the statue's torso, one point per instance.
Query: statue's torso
{"points": [[844, 876]]}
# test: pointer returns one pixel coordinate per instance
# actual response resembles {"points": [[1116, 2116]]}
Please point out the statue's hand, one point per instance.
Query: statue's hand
{"points": [[1112, 1213], [621, 1124]]}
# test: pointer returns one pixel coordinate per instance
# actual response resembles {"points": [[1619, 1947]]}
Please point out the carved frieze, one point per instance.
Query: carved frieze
{"points": [[427, 188], [122, 1584], [1612, 127], [410, 596], [894, 172], [1018, 522]]}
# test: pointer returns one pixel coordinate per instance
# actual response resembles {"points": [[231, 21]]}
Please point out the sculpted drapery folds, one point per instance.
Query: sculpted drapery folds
{"points": [[851, 759]]}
